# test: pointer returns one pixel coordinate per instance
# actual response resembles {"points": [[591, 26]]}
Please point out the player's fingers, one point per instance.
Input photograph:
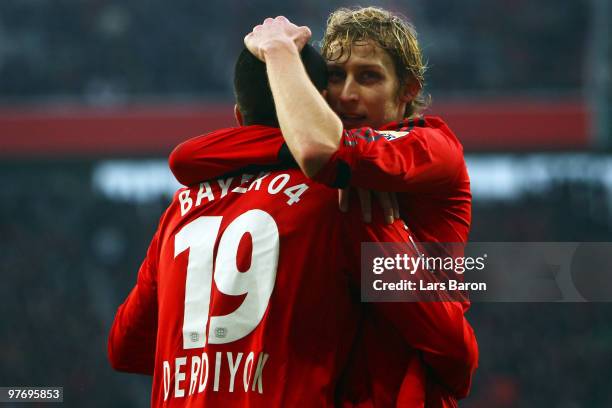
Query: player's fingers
{"points": [[301, 37], [306, 32], [287, 23], [343, 199], [395, 204], [365, 198], [248, 39], [269, 20], [384, 199], [251, 42]]}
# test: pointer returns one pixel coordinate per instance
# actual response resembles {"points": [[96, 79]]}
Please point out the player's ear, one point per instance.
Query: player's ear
{"points": [[238, 115], [409, 91]]}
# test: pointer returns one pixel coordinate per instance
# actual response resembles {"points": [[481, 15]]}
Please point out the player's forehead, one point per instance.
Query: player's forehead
{"points": [[358, 54]]}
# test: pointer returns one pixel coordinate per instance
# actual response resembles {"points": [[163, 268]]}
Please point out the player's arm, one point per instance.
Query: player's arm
{"points": [[442, 333], [314, 135], [309, 126], [132, 339], [208, 157], [424, 159], [438, 328]]}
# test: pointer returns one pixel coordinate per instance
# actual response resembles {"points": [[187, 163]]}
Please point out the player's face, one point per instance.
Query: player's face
{"points": [[364, 89]]}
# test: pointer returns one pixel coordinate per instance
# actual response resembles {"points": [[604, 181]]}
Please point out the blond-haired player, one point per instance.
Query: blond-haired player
{"points": [[370, 133]]}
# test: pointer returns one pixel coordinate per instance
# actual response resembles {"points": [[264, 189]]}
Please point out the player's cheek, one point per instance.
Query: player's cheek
{"points": [[332, 94]]}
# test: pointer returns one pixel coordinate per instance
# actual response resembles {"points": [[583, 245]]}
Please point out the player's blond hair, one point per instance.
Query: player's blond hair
{"points": [[392, 32]]}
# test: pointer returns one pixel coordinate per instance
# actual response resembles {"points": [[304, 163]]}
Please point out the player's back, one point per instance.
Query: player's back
{"points": [[254, 300]]}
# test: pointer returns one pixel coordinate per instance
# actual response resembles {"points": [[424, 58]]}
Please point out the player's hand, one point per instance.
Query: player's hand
{"points": [[387, 201], [275, 32]]}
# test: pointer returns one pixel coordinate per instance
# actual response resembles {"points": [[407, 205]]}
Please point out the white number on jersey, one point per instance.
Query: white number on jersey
{"points": [[257, 282]]}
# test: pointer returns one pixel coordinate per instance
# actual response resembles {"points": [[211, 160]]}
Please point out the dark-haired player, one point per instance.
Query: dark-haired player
{"points": [[233, 306], [376, 79]]}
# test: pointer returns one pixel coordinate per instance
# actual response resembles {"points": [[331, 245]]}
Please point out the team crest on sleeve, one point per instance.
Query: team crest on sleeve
{"points": [[392, 135]]}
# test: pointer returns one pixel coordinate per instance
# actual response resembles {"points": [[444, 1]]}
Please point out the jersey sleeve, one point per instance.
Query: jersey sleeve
{"points": [[132, 339], [210, 156], [419, 160], [437, 328]]}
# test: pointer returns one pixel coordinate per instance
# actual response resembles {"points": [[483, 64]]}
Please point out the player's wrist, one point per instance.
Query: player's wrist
{"points": [[278, 49]]}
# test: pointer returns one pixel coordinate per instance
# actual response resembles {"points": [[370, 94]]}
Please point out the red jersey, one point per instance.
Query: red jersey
{"points": [[272, 325], [244, 298], [420, 158]]}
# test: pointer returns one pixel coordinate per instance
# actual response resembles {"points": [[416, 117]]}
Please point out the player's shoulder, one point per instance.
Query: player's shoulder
{"points": [[403, 129], [411, 124], [423, 127]]}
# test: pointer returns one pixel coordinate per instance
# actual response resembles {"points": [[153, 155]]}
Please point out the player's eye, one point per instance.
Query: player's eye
{"points": [[335, 76], [370, 77]]}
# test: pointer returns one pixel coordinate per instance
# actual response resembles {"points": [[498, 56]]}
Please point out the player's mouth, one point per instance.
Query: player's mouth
{"points": [[352, 121]]}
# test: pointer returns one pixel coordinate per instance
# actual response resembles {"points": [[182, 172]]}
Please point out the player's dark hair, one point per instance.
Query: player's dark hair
{"points": [[252, 89]]}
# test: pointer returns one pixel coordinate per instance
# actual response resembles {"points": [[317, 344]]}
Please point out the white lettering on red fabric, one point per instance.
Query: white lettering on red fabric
{"points": [[224, 379]]}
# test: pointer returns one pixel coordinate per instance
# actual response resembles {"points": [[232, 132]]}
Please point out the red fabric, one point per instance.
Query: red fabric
{"points": [[304, 337], [425, 163], [302, 367], [215, 154]]}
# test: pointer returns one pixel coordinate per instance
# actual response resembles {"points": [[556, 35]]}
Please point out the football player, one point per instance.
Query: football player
{"points": [[376, 139], [244, 300]]}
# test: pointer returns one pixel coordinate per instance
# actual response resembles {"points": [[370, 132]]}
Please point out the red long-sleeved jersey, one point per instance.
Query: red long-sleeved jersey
{"points": [[421, 159], [275, 314]]}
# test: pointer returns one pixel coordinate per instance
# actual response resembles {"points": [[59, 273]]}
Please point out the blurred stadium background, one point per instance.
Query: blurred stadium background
{"points": [[95, 93]]}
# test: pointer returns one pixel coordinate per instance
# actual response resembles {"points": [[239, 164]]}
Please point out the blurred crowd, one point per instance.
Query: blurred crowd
{"points": [[108, 51], [68, 260], [71, 255]]}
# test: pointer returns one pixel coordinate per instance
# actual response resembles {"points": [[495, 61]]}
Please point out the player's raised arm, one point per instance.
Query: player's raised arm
{"points": [[424, 156], [310, 128]]}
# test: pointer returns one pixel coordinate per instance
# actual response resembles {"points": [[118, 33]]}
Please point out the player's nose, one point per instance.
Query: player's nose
{"points": [[350, 90]]}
